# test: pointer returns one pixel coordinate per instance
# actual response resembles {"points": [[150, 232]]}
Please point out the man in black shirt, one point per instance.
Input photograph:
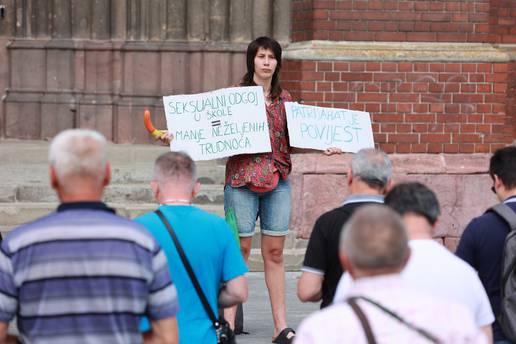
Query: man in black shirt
{"points": [[483, 240], [369, 177]]}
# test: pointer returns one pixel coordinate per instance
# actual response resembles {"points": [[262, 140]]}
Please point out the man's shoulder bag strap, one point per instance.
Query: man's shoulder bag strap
{"points": [[363, 320], [189, 269], [367, 327]]}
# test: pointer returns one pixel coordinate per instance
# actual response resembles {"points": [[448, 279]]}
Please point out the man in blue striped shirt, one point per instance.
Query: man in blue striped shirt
{"points": [[83, 274]]}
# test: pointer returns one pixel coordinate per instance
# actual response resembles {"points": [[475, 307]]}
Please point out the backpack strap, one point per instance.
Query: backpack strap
{"points": [[506, 213]]}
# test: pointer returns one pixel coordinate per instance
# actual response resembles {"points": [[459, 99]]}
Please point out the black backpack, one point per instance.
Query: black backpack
{"points": [[507, 317]]}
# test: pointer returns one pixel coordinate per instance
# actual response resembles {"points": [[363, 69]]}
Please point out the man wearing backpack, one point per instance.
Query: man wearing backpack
{"points": [[483, 244]]}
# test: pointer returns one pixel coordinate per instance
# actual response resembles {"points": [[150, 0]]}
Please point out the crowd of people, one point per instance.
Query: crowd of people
{"points": [[83, 274]]}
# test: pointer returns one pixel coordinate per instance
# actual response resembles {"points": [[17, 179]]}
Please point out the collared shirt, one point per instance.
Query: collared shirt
{"points": [[322, 253], [452, 323], [258, 169], [435, 270], [83, 275], [364, 199], [91, 205]]}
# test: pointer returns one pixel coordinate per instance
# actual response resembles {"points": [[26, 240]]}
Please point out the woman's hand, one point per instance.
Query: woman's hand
{"points": [[159, 135], [164, 137], [332, 150]]}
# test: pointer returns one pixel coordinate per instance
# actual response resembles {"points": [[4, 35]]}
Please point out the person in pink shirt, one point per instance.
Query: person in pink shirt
{"points": [[380, 307]]}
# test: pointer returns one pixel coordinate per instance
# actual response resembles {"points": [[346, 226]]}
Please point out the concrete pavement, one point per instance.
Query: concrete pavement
{"points": [[257, 311]]}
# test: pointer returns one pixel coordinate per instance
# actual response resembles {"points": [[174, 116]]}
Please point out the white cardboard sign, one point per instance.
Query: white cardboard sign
{"points": [[219, 123], [320, 128]]}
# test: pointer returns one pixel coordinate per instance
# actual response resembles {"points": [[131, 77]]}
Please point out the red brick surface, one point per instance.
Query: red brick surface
{"points": [[511, 94], [400, 20], [416, 107]]}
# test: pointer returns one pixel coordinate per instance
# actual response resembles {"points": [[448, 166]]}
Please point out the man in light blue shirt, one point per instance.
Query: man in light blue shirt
{"points": [[207, 241]]}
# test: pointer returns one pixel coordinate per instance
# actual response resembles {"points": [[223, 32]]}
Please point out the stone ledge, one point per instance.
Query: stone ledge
{"points": [[387, 51], [315, 163], [127, 45]]}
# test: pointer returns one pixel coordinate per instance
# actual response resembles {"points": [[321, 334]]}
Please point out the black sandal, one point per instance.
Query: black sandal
{"points": [[283, 338]]}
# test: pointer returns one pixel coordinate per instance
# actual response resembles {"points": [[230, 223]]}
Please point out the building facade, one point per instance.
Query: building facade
{"points": [[438, 78]]}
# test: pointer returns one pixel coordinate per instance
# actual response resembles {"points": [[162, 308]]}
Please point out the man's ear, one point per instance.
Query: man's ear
{"points": [[349, 176], [346, 264], [497, 182], [107, 175], [434, 226], [388, 187], [54, 182], [155, 189], [196, 189]]}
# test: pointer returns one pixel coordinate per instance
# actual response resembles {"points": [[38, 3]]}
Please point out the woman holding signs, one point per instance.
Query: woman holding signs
{"points": [[257, 184]]}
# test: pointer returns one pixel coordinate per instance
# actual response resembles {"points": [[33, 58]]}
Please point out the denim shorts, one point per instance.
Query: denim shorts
{"points": [[272, 207]]}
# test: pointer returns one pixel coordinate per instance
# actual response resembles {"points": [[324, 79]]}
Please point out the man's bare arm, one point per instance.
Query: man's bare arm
{"points": [[235, 291], [162, 331], [4, 337], [488, 331], [309, 287]]}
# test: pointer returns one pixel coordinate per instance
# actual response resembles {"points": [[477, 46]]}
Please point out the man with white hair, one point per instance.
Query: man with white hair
{"points": [[83, 274], [207, 242], [368, 177], [380, 306]]}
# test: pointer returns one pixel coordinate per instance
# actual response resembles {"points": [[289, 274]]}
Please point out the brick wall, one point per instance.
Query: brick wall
{"points": [[503, 21], [416, 107], [511, 93], [400, 20]]}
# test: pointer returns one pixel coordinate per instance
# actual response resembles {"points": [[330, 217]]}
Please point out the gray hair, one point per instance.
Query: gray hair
{"points": [[79, 152], [375, 237], [175, 165], [372, 166]]}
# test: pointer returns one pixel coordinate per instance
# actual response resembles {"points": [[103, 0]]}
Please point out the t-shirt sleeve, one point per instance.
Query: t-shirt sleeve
{"points": [[234, 264], [315, 257], [8, 290], [343, 287], [483, 314], [163, 302], [466, 248]]}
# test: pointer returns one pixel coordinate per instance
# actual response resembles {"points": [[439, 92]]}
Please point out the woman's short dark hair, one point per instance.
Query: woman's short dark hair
{"points": [[265, 43]]}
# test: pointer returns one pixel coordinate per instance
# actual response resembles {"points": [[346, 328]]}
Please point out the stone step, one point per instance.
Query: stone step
{"points": [[27, 161], [17, 213], [208, 172], [25, 193], [115, 193], [36, 152]]}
